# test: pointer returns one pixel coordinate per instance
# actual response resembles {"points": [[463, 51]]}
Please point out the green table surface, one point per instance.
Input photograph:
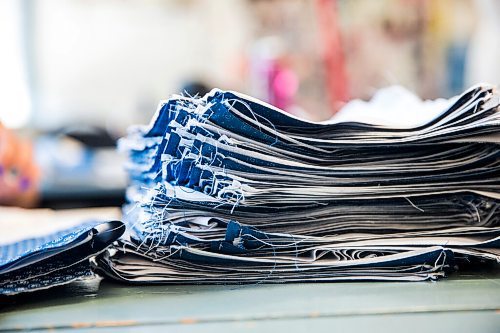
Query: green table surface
{"points": [[464, 302]]}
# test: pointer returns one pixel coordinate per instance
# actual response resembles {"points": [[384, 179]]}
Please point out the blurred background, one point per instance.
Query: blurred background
{"points": [[75, 74]]}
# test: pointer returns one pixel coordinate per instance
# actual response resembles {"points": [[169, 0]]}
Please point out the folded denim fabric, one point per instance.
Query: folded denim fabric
{"points": [[55, 259], [410, 196]]}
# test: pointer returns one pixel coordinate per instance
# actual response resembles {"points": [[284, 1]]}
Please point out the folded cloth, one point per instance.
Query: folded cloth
{"points": [[54, 259], [336, 200]]}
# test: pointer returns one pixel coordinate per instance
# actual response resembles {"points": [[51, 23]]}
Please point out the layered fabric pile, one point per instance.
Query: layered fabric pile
{"points": [[54, 259], [228, 189]]}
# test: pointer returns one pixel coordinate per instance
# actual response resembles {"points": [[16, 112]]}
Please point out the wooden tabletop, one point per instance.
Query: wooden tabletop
{"points": [[465, 302]]}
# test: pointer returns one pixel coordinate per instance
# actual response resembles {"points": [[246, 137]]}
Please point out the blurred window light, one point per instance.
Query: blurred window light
{"points": [[15, 102]]}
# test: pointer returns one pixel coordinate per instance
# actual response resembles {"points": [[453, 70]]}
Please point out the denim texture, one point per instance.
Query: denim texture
{"points": [[226, 188]]}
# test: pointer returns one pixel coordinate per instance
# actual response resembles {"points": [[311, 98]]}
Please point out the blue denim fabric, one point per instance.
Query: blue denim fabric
{"points": [[227, 178], [55, 259]]}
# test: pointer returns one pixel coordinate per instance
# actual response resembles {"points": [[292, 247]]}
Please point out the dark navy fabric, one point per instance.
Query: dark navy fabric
{"points": [[225, 182]]}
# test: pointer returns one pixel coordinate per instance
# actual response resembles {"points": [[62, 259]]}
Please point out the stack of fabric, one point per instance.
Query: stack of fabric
{"points": [[228, 189]]}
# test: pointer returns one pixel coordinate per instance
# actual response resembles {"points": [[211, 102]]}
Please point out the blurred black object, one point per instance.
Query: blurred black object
{"points": [[90, 136], [80, 168], [195, 88]]}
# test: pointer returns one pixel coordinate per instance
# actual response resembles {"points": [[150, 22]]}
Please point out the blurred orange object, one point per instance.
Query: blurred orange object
{"points": [[333, 56], [19, 175]]}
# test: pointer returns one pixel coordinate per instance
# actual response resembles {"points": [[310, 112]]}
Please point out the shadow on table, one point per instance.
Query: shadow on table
{"points": [[83, 291]]}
